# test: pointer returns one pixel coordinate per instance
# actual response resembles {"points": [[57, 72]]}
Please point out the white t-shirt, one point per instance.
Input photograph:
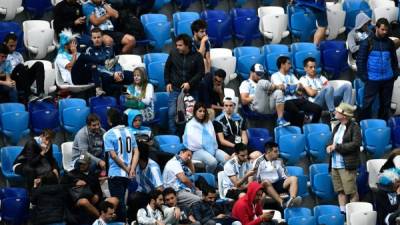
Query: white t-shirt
{"points": [[316, 83], [171, 169], [269, 170], [233, 168], [61, 62], [289, 79]]}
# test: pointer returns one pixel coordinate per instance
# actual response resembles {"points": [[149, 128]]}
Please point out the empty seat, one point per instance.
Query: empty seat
{"points": [[182, 22], [38, 37], [9, 8]]}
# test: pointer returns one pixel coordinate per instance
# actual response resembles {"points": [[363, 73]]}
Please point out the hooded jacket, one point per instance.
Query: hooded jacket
{"points": [[354, 38], [244, 210], [132, 114]]}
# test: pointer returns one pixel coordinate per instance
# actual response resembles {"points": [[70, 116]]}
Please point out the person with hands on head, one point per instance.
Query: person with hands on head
{"points": [[36, 158], [201, 42], [343, 149], [120, 144], [7, 85], [152, 214], [183, 71], [212, 94], [182, 214]]}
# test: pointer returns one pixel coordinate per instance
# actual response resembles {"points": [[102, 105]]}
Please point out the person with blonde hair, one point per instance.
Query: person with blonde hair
{"points": [[141, 94]]}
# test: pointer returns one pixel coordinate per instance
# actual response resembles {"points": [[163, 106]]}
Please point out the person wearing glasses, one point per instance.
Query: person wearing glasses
{"points": [[238, 173], [212, 93], [261, 96]]}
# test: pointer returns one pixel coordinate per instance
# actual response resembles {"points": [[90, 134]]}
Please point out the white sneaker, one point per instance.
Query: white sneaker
{"points": [[100, 92]]}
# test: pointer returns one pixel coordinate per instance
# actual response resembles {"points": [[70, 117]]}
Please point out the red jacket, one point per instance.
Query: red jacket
{"points": [[244, 209]]}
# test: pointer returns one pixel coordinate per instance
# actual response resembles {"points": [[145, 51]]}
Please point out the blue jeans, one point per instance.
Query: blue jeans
{"points": [[118, 186], [173, 96], [329, 97], [210, 160], [11, 91]]}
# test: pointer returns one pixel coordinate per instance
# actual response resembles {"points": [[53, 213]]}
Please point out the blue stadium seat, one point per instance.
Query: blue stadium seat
{"points": [[302, 24], [245, 50], [323, 187], [371, 123], [69, 102], [302, 220], [245, 24], [157, 29], [377, 141], [8, 156], [58, 156], [334, 57], [301, 179], [316, 145], [291, 147], [219, 26], [209, 177], [359, 87], [15, 210], [43, 114], [244, 64], [7, 27], [280, 131], [9, 192], [154, 57], [257, 138], [161, 108], [10, 107], [169, 143], [37, 7], [315, 169], [296, 212], [74, 118], [294, 170], [100, 105], [15, 125], [156, 75], [182, 22], [394, 124], [300, 56], [271, 58], [321, 210], [315, 127]]}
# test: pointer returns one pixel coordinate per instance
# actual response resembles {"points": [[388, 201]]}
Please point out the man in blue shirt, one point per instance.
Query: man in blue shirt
{"points": [[7, 85], [120, 144]]}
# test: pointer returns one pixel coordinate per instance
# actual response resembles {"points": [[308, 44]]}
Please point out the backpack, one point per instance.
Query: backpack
{"points": [[184, 108]]}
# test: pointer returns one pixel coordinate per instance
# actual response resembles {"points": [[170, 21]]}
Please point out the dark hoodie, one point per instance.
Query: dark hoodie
{"points": [[244, 210]]}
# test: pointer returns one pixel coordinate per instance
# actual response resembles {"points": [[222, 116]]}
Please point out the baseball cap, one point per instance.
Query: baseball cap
{"points": [[258, 69], [84, 159]]}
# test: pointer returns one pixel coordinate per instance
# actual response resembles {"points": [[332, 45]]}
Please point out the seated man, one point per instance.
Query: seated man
{"points": [[359, 33], [7, 85], [212, 93], [107, 212], [294, 94], [177, 173], [320, 92], [182, 214], [262, 96], [271, 173], [84, 190], [24, 76], [208, 213], [101, 17], [109, 70], [152, 213], [238, 173], [231, 128], [148, 177], [89, 140]]}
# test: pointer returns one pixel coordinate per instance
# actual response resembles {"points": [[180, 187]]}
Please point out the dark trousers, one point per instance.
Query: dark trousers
{"points": [[83, 71], [384, 206], [294, 106], [25, 76], [118, 187], [382, 88], [113, 88]]}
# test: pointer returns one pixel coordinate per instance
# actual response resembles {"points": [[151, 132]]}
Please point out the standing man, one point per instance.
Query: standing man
{"points": [[7, 85], [377, 67], [201, 43], [344, 148], [184, 69], [89, 140], [261, 95], [120, 144], [320, 92]]}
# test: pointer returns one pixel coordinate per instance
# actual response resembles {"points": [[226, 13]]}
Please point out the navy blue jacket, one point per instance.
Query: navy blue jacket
{"points": [[376, 59]]}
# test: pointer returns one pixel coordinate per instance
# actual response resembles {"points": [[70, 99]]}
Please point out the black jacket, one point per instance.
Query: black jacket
{"points": [[350, 147], [184, 68], [204, 212], [64, 16], [91, 179], [49, 204]]}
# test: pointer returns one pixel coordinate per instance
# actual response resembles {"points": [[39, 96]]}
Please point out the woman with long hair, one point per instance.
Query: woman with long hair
{"points": [[199, 137], [141, 94]]}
